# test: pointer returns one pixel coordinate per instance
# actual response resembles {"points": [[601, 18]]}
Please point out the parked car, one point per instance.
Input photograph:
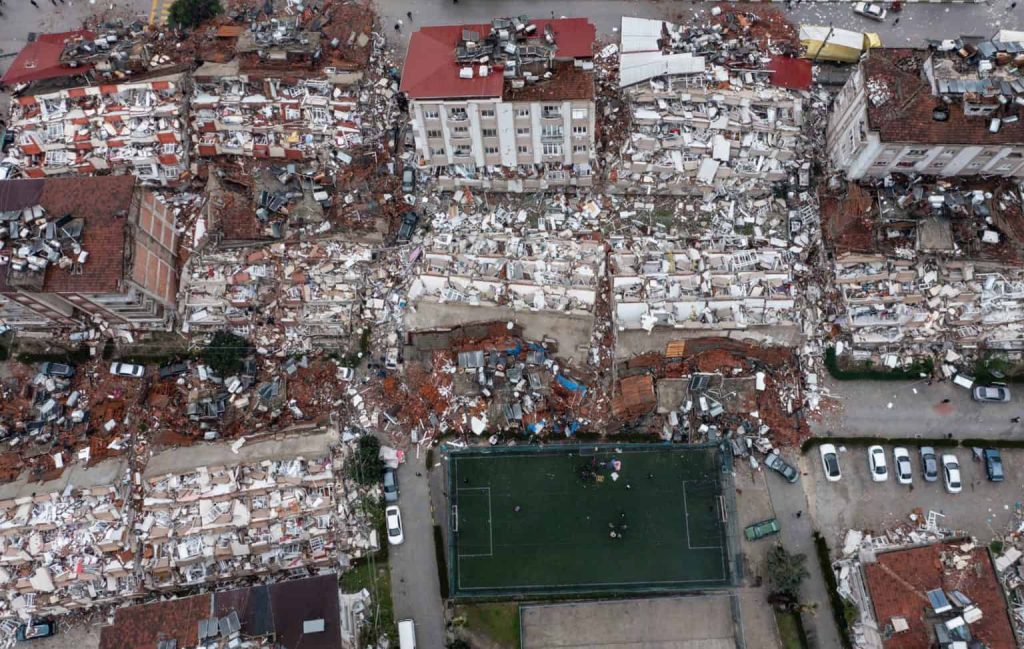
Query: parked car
{"points": [[172, 370], [390, 485], [991, 393], [62, 370], [409, 221], [993, 464], [408, 180], [128, 369], [761, 530], [346, 374], [876, 463], [929, 464], [36, 630], [870, 10], [951, 473], [775, 462], [901, 464], [393, 518], [830, 462]]}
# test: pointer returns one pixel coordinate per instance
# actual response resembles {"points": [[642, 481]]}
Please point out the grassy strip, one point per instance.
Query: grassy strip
{"points": [[499, 621], [442, 561], [374, 576], [867, 371], [834, 599], [942, 442], [791, 630], [75, 357]]}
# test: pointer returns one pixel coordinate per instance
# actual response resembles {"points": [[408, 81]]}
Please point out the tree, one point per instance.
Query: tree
{"points": [[365, 466], [786, 571], [459, 643], [225, 353], [189, 13]]}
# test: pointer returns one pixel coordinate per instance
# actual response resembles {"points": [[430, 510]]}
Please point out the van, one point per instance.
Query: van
{"points": [[406, 634]]}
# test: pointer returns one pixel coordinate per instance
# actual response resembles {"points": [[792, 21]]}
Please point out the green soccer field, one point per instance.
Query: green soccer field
{"points": [[529, 521]]}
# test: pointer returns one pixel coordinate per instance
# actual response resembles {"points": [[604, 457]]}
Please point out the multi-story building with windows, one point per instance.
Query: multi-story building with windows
{"points": [[953, 111], [507, 106]]}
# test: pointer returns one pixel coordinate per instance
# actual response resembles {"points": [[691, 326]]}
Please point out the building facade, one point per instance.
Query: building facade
{"points": [[511, 110], [934, 113]]}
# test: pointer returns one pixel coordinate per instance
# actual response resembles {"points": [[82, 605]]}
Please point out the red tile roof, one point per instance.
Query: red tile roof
{"points": [[790, 72], [907, 115], [40, 59], [431, 71], [103, 202], [566, 82], [920, 570], [140, 627]]}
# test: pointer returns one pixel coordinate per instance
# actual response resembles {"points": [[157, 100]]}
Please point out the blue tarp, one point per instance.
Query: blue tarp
{"points": [[570, 384]]}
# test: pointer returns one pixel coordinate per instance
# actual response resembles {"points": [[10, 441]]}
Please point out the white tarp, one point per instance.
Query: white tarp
{"points": [[641, 66], [639, 35], [1009, 36]]}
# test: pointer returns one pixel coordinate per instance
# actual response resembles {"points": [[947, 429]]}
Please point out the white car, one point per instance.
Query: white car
{"points": [[876, 462], [128, 369], [951, 472], [393, 519], [870, 10], [346, 373], [901, 463], [830, 462]]}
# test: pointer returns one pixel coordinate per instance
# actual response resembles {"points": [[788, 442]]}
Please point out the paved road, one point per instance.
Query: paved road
{"points": [[911, 409], [796, 533], [414, 582]]}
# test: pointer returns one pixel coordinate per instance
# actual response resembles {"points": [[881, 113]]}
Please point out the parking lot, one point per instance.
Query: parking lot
{"points": [[983, 509]]}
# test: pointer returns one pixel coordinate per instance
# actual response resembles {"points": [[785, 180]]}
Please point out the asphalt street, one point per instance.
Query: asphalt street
{"points": [[414, 582], [913, 409]]}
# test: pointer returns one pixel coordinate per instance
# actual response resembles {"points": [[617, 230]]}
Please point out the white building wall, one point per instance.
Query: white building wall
{"points": [[506, 114]]}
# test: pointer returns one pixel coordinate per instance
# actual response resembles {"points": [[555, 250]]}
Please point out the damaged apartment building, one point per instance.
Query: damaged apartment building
{"points": [[507, 106], [127, 127], [935, 262], [703, 115], [952, 110], [86, 252], [276, 98]]}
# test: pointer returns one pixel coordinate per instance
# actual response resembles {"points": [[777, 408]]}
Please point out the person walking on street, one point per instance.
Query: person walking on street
{"points": [[1015, 420], [34, 3], [398, 28], [896, 22], [409, 14]]}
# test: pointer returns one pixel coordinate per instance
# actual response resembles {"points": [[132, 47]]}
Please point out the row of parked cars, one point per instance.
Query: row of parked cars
{"points": [[931, 465], [130, 370]]}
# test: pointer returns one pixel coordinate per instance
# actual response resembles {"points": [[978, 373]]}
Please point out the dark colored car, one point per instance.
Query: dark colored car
{"points": [[408, 180], [390, 485], [409, 221], [929, 464], [57, 369], [994, 465], [776, 463], [37, 630], [173, 369]]}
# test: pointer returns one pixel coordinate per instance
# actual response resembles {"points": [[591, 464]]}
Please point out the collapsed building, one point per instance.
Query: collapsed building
{"points": [[85, 252], [917, 264], [127, 127], [703, 115], [507, 106], [952, 110]]}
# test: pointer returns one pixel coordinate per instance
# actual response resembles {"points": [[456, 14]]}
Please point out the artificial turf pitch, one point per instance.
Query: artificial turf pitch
{"points": [[559, 540]]}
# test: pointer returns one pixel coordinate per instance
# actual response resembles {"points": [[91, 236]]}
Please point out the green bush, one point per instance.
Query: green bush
{"points": [[226, 352], [441, 555], [866, 371], [785, 571], [366, 466], [189, 13], [839, 610]]}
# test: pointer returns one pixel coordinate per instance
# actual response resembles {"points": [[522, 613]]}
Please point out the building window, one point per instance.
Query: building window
{"points": [[461, 151], [974, 165], [579, 113], [917, 153], [551, 111], [431, 114], [522, 150], [458, 114], [880, 163], [433, 133], [579, 148], [579, 130], [906, 164], [490, 132], [460, 130], [552, 130], [552, 148], [491, 150], [487, 112], [522, 112], [522, 131], [55, 131], [437, 152]]}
